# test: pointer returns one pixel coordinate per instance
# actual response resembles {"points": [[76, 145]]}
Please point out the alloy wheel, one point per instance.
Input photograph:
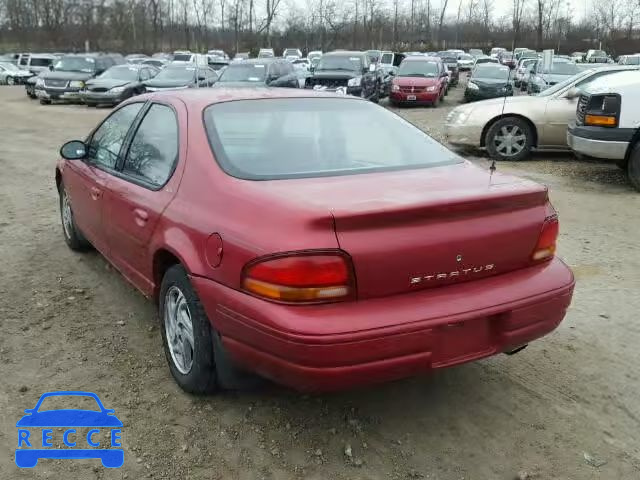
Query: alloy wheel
{"points": [[179, 329], [510, 140]]}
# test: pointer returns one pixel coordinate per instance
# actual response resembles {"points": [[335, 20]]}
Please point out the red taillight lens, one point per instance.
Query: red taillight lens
{"points": [[301, 277], [546, 246]]}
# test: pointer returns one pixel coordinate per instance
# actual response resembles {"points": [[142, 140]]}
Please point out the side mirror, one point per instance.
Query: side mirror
{"points": [[572, 93], [74, 150], [392, 73], [372, 67]]}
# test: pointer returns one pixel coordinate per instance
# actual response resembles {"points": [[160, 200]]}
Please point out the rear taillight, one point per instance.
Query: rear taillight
{"points": [[546, 246], [301, 277]]}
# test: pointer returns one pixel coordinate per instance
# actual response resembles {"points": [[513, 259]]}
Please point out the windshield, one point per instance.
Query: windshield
{"points": [[486, 60], [182, 57], [340, 62], [419, 69], [562, 68], [121, 73], [314, 137], [244, 72], [565, 83], [9, 66], [632, 61], [386, 58], [76, 64], [497, 72], [183, 74]]}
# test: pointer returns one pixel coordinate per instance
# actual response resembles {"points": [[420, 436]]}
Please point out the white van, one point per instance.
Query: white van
{"points": [[607, 123], [40, 62], [188, 57]]}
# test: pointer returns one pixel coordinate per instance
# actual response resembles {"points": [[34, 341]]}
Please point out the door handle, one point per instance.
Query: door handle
{"points": [[141, 216], [96, 193]]}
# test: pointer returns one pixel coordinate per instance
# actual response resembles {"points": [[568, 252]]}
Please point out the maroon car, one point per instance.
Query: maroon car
{"points": [[420, 80], [317, 240]]}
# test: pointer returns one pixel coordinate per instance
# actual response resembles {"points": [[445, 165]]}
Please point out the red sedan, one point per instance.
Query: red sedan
{"points": [[420, 80], [317, 240]]}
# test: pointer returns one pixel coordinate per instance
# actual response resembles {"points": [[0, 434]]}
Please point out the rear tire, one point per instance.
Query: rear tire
{"points": [[509, 138], [633, 166], [10, 81]]}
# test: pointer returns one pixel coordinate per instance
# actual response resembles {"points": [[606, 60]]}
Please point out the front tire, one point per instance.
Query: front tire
{"points": [[509, 138], [73, 237], [11, 81], [633, 166], [44, 101]]}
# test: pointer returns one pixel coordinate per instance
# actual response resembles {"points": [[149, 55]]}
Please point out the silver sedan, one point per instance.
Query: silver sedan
{"points": [[509, 128], [12, 75]]}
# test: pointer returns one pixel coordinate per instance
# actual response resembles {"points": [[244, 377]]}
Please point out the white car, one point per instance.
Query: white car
{"points": [[291, 53], [12, 75], [495, 51], [466, 61]]}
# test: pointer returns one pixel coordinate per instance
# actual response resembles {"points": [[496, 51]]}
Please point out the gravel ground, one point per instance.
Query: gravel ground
{"points": [[565, 408]]}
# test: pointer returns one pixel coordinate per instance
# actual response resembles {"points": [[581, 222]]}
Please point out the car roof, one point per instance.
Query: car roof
{"points": [[199, 98], [346, 53], [421, 58]]}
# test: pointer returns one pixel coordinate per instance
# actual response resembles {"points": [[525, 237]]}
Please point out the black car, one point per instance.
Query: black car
{"points": [[450, 59], [69, 75], [349, 73], [271, 72], [489, 80], [117, 84], [182, 75]]}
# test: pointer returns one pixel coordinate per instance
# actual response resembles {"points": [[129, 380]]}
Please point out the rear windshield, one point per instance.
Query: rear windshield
{"points": [[497, 72], [283, 138], [244, 72], [182, 57], [76, 64], [386, 58]]}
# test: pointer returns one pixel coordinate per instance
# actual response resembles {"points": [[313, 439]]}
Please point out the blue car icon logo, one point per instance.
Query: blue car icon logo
{"points": [[32, 446]]}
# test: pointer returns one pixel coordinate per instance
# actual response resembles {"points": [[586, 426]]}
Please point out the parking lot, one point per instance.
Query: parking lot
{"points": [[564, 408]]}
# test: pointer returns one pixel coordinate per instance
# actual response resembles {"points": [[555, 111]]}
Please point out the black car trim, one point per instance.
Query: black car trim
{"points": [[602, 134]]}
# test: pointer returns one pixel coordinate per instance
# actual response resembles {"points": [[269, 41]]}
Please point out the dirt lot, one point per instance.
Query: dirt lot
{"points": [[568, 407]]}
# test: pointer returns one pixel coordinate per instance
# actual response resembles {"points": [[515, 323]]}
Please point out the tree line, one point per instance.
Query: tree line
{"points": [[149, 26]]}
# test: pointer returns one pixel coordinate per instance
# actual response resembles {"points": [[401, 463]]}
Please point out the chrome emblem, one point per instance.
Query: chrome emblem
{"points": [[412, 89], [463, 272]]}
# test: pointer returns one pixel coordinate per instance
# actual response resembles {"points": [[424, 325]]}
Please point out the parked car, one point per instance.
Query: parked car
{"points": [[117, 84], [69, 76], [451, 62], [202, 61], [218, 53], [181, 76], [606, 122], [244, 287], [217, 63], [629, 59], [303, 63], [291, 53], [10, 74], [271, 72], [266, 53], [240, 56], [374, 55], [40, 62], [489, 81], [538, 122], [30, 85], [391, 59], [420, 80], [388, 74], [495, 51], [314, 57], [484, 59], [578, 57], [155, 62], [465, 62], [523, 70], [348, 73], [594, 53], [507, 58], [475, 52], [541, 78]]}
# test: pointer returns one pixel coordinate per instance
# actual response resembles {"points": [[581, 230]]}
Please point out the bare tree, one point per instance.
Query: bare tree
{"points": [[443, 11], [516, 20]]}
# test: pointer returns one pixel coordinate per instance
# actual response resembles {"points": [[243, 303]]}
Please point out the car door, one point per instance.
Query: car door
{"points": [[86, 181], [145, 185], [559, 111]]}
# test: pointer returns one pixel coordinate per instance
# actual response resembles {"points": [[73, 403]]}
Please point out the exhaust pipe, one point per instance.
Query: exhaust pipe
{"points": [[516, 350]]}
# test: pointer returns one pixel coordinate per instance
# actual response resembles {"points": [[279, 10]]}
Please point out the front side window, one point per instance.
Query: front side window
{"points": [[154, 148], [106, 142], [314, 137]]}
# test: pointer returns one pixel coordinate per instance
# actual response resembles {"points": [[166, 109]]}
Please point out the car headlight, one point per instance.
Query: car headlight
{"points": [[472, 86], [431, 89], [395, 88], [117, 89], [40, 82], [76, 84], [354, 82]]}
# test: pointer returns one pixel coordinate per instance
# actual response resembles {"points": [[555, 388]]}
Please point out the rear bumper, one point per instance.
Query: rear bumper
{"points": [[418, 97], [342, 345], [103, 97]]}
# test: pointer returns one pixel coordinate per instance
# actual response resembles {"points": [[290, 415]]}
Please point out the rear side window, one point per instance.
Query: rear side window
{"points": [[154, 148], [41, 62], [314, 137]]}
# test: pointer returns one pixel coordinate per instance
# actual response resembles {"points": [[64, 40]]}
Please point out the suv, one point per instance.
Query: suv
{"points": [[69, 75], [291, 53], [605, 125], [348, 73], [266, 53], [188, 57], [40, 62]]}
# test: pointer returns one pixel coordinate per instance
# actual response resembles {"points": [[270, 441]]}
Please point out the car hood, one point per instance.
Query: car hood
{"points": [[415, 81], [107, 83], [554, 77], [69, 418], [64, 75], [160, 83], [341, 74]]}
